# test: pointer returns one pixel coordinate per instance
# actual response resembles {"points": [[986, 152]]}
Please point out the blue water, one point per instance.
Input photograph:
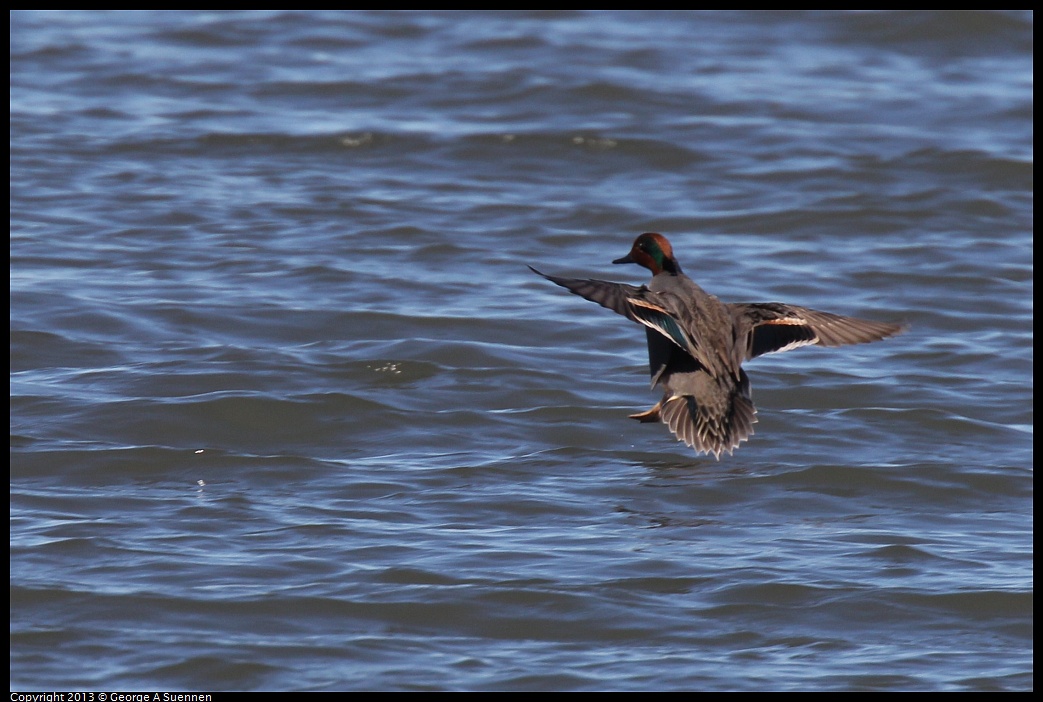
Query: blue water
{"points": [[289, 411]]}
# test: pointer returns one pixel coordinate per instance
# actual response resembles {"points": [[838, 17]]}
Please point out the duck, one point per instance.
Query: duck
{"points": [[697, 343]]}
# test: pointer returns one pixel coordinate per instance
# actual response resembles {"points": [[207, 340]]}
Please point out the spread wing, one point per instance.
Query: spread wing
{"points": [[649, 309], [774, 326], [614, 296], [619, 297]]}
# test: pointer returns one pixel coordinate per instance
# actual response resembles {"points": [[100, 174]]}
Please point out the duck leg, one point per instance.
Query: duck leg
{"points": [[651, 415]]}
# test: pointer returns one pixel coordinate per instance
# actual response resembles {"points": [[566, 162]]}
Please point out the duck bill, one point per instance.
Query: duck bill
{"points": [[626, 259]]}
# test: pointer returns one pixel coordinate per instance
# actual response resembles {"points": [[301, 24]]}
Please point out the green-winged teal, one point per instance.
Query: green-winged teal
{"points": [[697, 344]]}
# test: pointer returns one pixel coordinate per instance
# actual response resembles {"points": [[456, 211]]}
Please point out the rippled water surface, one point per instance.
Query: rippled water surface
{"points": [[288, 410]]}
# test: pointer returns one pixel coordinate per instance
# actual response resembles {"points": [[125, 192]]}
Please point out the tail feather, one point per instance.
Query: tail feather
{"points": [[711, 427]]}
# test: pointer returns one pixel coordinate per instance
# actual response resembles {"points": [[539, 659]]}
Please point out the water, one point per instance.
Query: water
{"points": [[288, 410]]}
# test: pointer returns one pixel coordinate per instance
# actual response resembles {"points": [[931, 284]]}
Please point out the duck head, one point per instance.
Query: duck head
{"points": [[654, 252]]}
